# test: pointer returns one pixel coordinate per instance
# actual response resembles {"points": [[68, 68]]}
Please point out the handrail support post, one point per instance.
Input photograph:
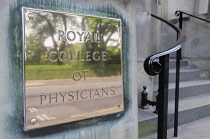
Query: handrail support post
{"points": [[180, 26], [176, 112], [163, 97], [145, 102]]}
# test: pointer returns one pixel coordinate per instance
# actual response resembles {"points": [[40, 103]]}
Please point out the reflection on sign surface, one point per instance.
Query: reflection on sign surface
{"points": [[72, 67]]}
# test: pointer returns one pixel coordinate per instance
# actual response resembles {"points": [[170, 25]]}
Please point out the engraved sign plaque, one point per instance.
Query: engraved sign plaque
{"points": [[72, 67]]}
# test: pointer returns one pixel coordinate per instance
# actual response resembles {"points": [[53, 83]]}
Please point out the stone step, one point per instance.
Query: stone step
{"points": [[187, 74], [188, 89], [198, 129], [188, 111], [183, 63]]}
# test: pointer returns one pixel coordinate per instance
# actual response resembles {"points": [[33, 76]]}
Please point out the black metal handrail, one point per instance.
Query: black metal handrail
{"points": [[178, 13], [162, 68], [153, 68]]}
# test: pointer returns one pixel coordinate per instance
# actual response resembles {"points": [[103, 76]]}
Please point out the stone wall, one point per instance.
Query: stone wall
{"points": [[121, 126], [143, 33]]}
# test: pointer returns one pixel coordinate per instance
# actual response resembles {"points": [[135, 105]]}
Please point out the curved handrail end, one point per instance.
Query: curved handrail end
{"points": [[154, 68]]}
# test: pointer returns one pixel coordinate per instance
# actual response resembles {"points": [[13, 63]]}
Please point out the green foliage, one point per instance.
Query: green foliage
{"points": [[44, 28], [147, 129], [114, 55]]}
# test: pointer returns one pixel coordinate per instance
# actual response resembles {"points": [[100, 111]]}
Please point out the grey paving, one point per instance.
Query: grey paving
{"points": [[195, 130]]}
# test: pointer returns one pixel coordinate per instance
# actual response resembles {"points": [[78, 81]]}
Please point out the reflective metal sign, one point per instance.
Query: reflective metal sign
{"points": [[72, 67]]}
